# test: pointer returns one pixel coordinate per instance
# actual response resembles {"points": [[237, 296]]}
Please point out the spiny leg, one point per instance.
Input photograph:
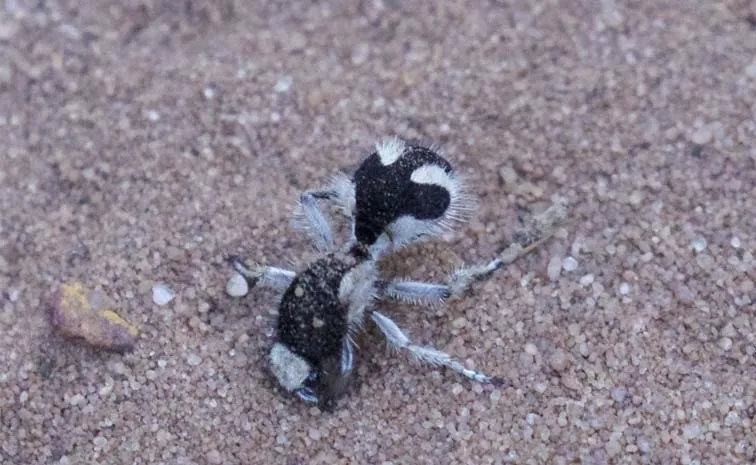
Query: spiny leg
{"points": [[397, 338], [414, 292], [420, 292], [309, 218], [536, 232], [312, 221], [267, 276]]}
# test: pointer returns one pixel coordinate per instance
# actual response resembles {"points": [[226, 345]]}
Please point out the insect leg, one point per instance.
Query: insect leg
{"points": [[267, 276], [536, 232], [397, 338], [310, 219]]}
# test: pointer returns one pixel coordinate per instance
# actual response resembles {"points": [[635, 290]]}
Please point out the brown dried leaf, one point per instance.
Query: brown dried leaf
{"points": [[79, 312]]}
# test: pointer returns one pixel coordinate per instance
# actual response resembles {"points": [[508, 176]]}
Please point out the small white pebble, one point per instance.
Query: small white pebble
{"points": [[531, 348], [558, 360], [624, 288], [214, 457], [612, 447], [751, 70], [636, 197], [741, 447], [643, 444], [296, 41], [209, 92], [619, 394], [106, 389], [8, 29], [692, 430], [735, 242], [70, 31], [569, 264], [360, 53], [162, 436], [162, 294], [610, 15], [701, 136], [107, 423], [699, 244], [283, 84], [193, 360], [554, 268], [586, 280], [237, 286], [584, 350], [508, 175], [732, 419], [684, 293]]}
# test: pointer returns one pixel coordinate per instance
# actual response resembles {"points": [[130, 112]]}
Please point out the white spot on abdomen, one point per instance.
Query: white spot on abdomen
{"points": [[289, 368], [389, 150], [434, 174]]}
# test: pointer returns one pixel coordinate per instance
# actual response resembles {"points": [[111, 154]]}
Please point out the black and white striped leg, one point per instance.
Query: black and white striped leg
{"points": [[397, 338]]}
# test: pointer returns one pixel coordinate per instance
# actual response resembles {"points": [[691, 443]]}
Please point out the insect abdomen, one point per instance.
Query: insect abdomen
{"points": [[312, 322]]}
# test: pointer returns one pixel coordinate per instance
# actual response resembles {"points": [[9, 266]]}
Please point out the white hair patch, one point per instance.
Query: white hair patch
{"points": [[434, 174], [345, 193], [290, 369], [389, 150]]}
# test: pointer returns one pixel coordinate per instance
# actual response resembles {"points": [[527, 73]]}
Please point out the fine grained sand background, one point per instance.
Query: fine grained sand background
{"points": [[144, 141]]}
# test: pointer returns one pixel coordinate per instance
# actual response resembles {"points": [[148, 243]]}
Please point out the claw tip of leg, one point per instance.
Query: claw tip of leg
{"points": [[497, 381]]}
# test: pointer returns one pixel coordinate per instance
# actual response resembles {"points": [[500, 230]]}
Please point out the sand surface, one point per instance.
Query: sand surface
{"points": [[142, 142]]}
